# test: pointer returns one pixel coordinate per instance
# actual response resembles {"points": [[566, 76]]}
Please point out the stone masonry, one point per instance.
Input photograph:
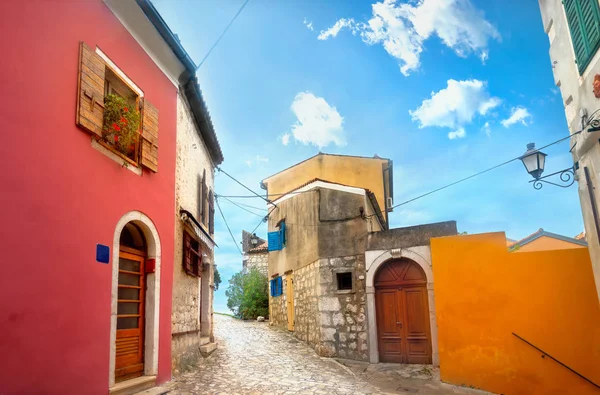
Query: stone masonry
{"points": [[258, 259], [333, 322], [342, 316]]}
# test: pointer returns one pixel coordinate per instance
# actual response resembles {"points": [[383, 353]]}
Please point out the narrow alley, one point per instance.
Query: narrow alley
{"points": [[253, 358]]}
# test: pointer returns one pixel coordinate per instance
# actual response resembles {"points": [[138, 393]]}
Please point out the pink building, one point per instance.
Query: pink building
{"points": [[87, 207]]}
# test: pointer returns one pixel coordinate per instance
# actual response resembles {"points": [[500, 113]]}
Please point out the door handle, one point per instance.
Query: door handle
{"points": [[399, 323]]}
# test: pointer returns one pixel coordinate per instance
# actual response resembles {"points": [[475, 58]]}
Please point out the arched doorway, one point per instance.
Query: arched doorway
{"points": [[130, 335], [402, 312]]}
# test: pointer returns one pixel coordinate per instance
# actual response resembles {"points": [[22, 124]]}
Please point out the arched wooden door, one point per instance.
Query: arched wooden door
{"points": [[403, 331]]}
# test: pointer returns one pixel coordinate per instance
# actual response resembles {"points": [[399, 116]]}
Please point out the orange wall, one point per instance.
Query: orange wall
{"points": [[483, 293], [546, 243]]}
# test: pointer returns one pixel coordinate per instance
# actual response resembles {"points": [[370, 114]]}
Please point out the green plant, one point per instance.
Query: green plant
{"points": [[248, 295], [121, 124]]}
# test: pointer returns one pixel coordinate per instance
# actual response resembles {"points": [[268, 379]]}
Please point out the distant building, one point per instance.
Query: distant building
{"points": [[573, 28], [545, 241], [255, 253], [338, 276]]}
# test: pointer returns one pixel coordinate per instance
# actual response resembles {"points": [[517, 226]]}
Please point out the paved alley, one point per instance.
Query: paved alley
{"points": [[253, 358]]}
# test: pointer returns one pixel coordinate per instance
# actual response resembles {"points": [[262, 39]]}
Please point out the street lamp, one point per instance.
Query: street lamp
{"points": [[254, 240], [534, 161]]}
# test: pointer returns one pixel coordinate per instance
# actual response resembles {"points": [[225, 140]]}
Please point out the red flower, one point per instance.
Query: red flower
{"points": [[123, 120], [116, 127], [125, 109], [116, 139]]}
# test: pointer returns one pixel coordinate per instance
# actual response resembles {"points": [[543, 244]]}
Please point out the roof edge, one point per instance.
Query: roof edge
{"points": [[542, 232]]}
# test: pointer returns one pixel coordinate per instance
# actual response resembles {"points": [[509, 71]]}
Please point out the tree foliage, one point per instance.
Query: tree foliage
{"points": [[248, 295], [217, 279]]}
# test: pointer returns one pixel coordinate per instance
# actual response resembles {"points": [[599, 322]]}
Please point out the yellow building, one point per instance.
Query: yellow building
{"points": [[545, 241], [374, 174]]}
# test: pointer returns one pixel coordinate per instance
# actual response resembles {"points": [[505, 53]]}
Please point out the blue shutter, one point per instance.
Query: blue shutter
{"points": [[276, 287], [274, 239], [282, 231], [279, 286]]}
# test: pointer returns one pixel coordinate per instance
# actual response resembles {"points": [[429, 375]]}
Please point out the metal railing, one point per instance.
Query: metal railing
{"points": [[544, 354]]}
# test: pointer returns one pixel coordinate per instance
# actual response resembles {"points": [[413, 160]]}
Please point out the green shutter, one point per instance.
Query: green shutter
{"points": [[584, 23]]}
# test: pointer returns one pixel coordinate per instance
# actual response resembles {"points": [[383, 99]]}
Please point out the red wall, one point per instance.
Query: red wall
{"points": [[59, 197]]}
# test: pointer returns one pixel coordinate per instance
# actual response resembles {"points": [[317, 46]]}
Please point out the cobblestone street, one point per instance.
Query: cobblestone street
{"points": [[253, 358]]}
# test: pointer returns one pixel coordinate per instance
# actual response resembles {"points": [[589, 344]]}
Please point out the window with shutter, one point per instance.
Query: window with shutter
{"points": [[149, 157], [204, 201], [583, 17], [192, 256], [90, 98], [277, 286], [274, 241], [108, 106], [211, 213]]}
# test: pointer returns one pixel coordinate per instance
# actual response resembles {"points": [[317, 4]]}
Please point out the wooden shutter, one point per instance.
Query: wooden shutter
{"points": [[204, 217], [211, 213], [90, 92], [150, 137], [274, 239], [583, 17], [187, 254]]}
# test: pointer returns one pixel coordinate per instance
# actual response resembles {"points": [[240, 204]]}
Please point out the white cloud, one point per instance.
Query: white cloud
{"points": [[309, 25], [335, 29], [403, 28], [318, 122], [518, 114], [455, 105], [486, 129], [285, 139], [256, 160], [457, 134]]}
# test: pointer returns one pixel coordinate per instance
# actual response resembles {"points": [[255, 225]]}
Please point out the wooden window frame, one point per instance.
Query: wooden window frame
{"points": [[196, 265]]}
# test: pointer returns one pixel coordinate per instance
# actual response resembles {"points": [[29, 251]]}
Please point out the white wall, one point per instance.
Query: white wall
{"points": [[578, 96]]}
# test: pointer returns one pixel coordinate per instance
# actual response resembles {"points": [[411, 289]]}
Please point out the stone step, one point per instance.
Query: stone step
{"points": [[204, 340], [133, 386], [207, 349], [154, 391]]}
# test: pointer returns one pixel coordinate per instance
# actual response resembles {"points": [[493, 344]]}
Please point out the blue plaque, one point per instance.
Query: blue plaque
{"points": [[102, 253]]}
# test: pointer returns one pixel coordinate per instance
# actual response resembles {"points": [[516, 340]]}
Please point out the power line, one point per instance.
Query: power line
{"points": [[478, 173], [265, 218], [239, 182], [227, 225], [222, 34], [245, 205], [239, 206]]}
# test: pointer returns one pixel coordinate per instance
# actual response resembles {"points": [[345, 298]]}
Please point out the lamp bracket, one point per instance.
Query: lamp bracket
{"points": [[566, 176]]}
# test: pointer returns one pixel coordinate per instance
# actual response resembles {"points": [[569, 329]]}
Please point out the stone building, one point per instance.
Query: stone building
{"points": [[334, 266], [198, 153], [577, 74], [255, 254]]}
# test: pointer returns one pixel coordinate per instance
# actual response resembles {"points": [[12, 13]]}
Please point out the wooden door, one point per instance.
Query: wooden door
{"points": [[130, 317], [402, 313], [289, 295]]}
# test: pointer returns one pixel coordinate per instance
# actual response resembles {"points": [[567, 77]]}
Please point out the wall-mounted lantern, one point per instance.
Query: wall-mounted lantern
{"points": [[534, 162]]}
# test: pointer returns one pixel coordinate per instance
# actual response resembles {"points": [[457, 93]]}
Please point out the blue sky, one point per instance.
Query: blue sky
{"points": [[397, 79]]}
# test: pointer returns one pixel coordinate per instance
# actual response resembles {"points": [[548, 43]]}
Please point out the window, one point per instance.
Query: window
{"points": [[113, 111], [344, 281], [277, 239], [192, 256], [276, 286], [583, 17]]}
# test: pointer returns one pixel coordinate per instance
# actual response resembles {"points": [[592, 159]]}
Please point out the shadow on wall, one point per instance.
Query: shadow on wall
{"points": [[484, 294]]}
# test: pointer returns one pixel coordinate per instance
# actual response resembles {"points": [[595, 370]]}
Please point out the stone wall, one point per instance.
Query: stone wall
{"points": [[333, 322], [307, 319], [189, 320], [342, 313], [259, 261], [278, 307]]}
